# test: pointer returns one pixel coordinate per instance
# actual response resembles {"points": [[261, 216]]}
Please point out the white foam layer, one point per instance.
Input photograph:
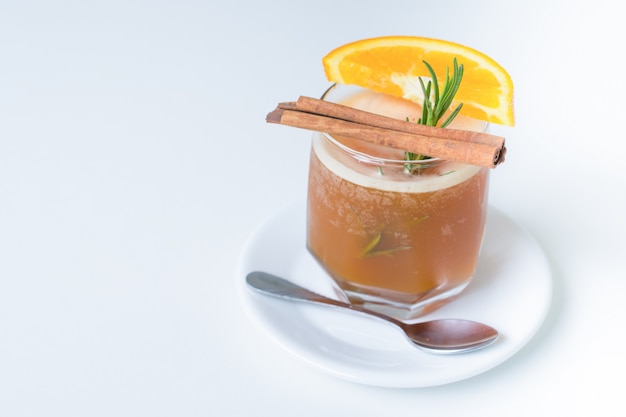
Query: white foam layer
{"points": [[453, 173]]}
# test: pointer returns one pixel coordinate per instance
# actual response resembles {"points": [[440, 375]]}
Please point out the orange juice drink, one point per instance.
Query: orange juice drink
{"points": [[397, 236]]}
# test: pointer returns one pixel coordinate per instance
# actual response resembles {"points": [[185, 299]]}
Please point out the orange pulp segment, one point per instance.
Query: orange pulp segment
{"points": [[393, 64]]}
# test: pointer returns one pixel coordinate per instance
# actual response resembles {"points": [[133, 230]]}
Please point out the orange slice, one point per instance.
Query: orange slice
{"points": [[393, 64]]}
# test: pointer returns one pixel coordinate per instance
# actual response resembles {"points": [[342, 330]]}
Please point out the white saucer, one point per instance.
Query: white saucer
{"points": [[511, 292]]}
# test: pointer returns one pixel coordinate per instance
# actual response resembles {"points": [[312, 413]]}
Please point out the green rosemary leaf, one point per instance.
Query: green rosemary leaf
{"points": [[452, 115], [387, 251], [433, 77], [372, 244]]}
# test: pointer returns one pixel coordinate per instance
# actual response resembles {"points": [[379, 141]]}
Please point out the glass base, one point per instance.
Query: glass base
{"points": [[402, 306]]}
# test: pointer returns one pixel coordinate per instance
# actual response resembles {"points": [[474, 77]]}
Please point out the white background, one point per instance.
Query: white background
{"points": [[135, 161]]}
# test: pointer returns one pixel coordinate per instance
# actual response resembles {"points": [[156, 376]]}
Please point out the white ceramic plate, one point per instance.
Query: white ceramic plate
{"points": [[511, 292]]}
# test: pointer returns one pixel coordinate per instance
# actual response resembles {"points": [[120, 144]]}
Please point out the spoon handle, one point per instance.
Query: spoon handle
{"points": [[278, 287]]}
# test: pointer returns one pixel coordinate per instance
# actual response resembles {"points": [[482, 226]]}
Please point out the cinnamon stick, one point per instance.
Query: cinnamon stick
{"points": [[475, 148]]}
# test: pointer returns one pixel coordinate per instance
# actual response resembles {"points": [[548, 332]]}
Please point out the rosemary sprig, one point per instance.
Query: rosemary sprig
{"points": [[370, 251], [372, 244], [434, 110], [386, 252], [436, 103]]}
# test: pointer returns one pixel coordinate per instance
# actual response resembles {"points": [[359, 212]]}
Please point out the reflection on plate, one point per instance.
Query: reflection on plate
{"points": [[511, 292]]}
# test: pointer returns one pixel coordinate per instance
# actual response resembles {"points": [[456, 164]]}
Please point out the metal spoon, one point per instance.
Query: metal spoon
{"points": [[436, 336]]}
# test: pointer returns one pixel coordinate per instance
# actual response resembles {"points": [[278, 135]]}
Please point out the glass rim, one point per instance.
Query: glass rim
{"points": [[365, 157], [371, 158]]}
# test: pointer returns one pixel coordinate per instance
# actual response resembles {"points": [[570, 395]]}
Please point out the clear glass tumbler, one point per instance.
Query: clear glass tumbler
{"points": [[401, 237]]}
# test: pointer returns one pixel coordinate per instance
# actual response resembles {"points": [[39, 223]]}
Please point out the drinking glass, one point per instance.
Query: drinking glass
{"points": [[397, 236]]}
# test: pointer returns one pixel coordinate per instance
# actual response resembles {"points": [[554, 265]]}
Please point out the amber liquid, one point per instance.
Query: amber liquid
{"points": [[382, 231]]}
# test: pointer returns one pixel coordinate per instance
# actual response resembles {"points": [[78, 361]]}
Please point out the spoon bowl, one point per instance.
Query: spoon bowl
{"points": [[444, 336]]}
